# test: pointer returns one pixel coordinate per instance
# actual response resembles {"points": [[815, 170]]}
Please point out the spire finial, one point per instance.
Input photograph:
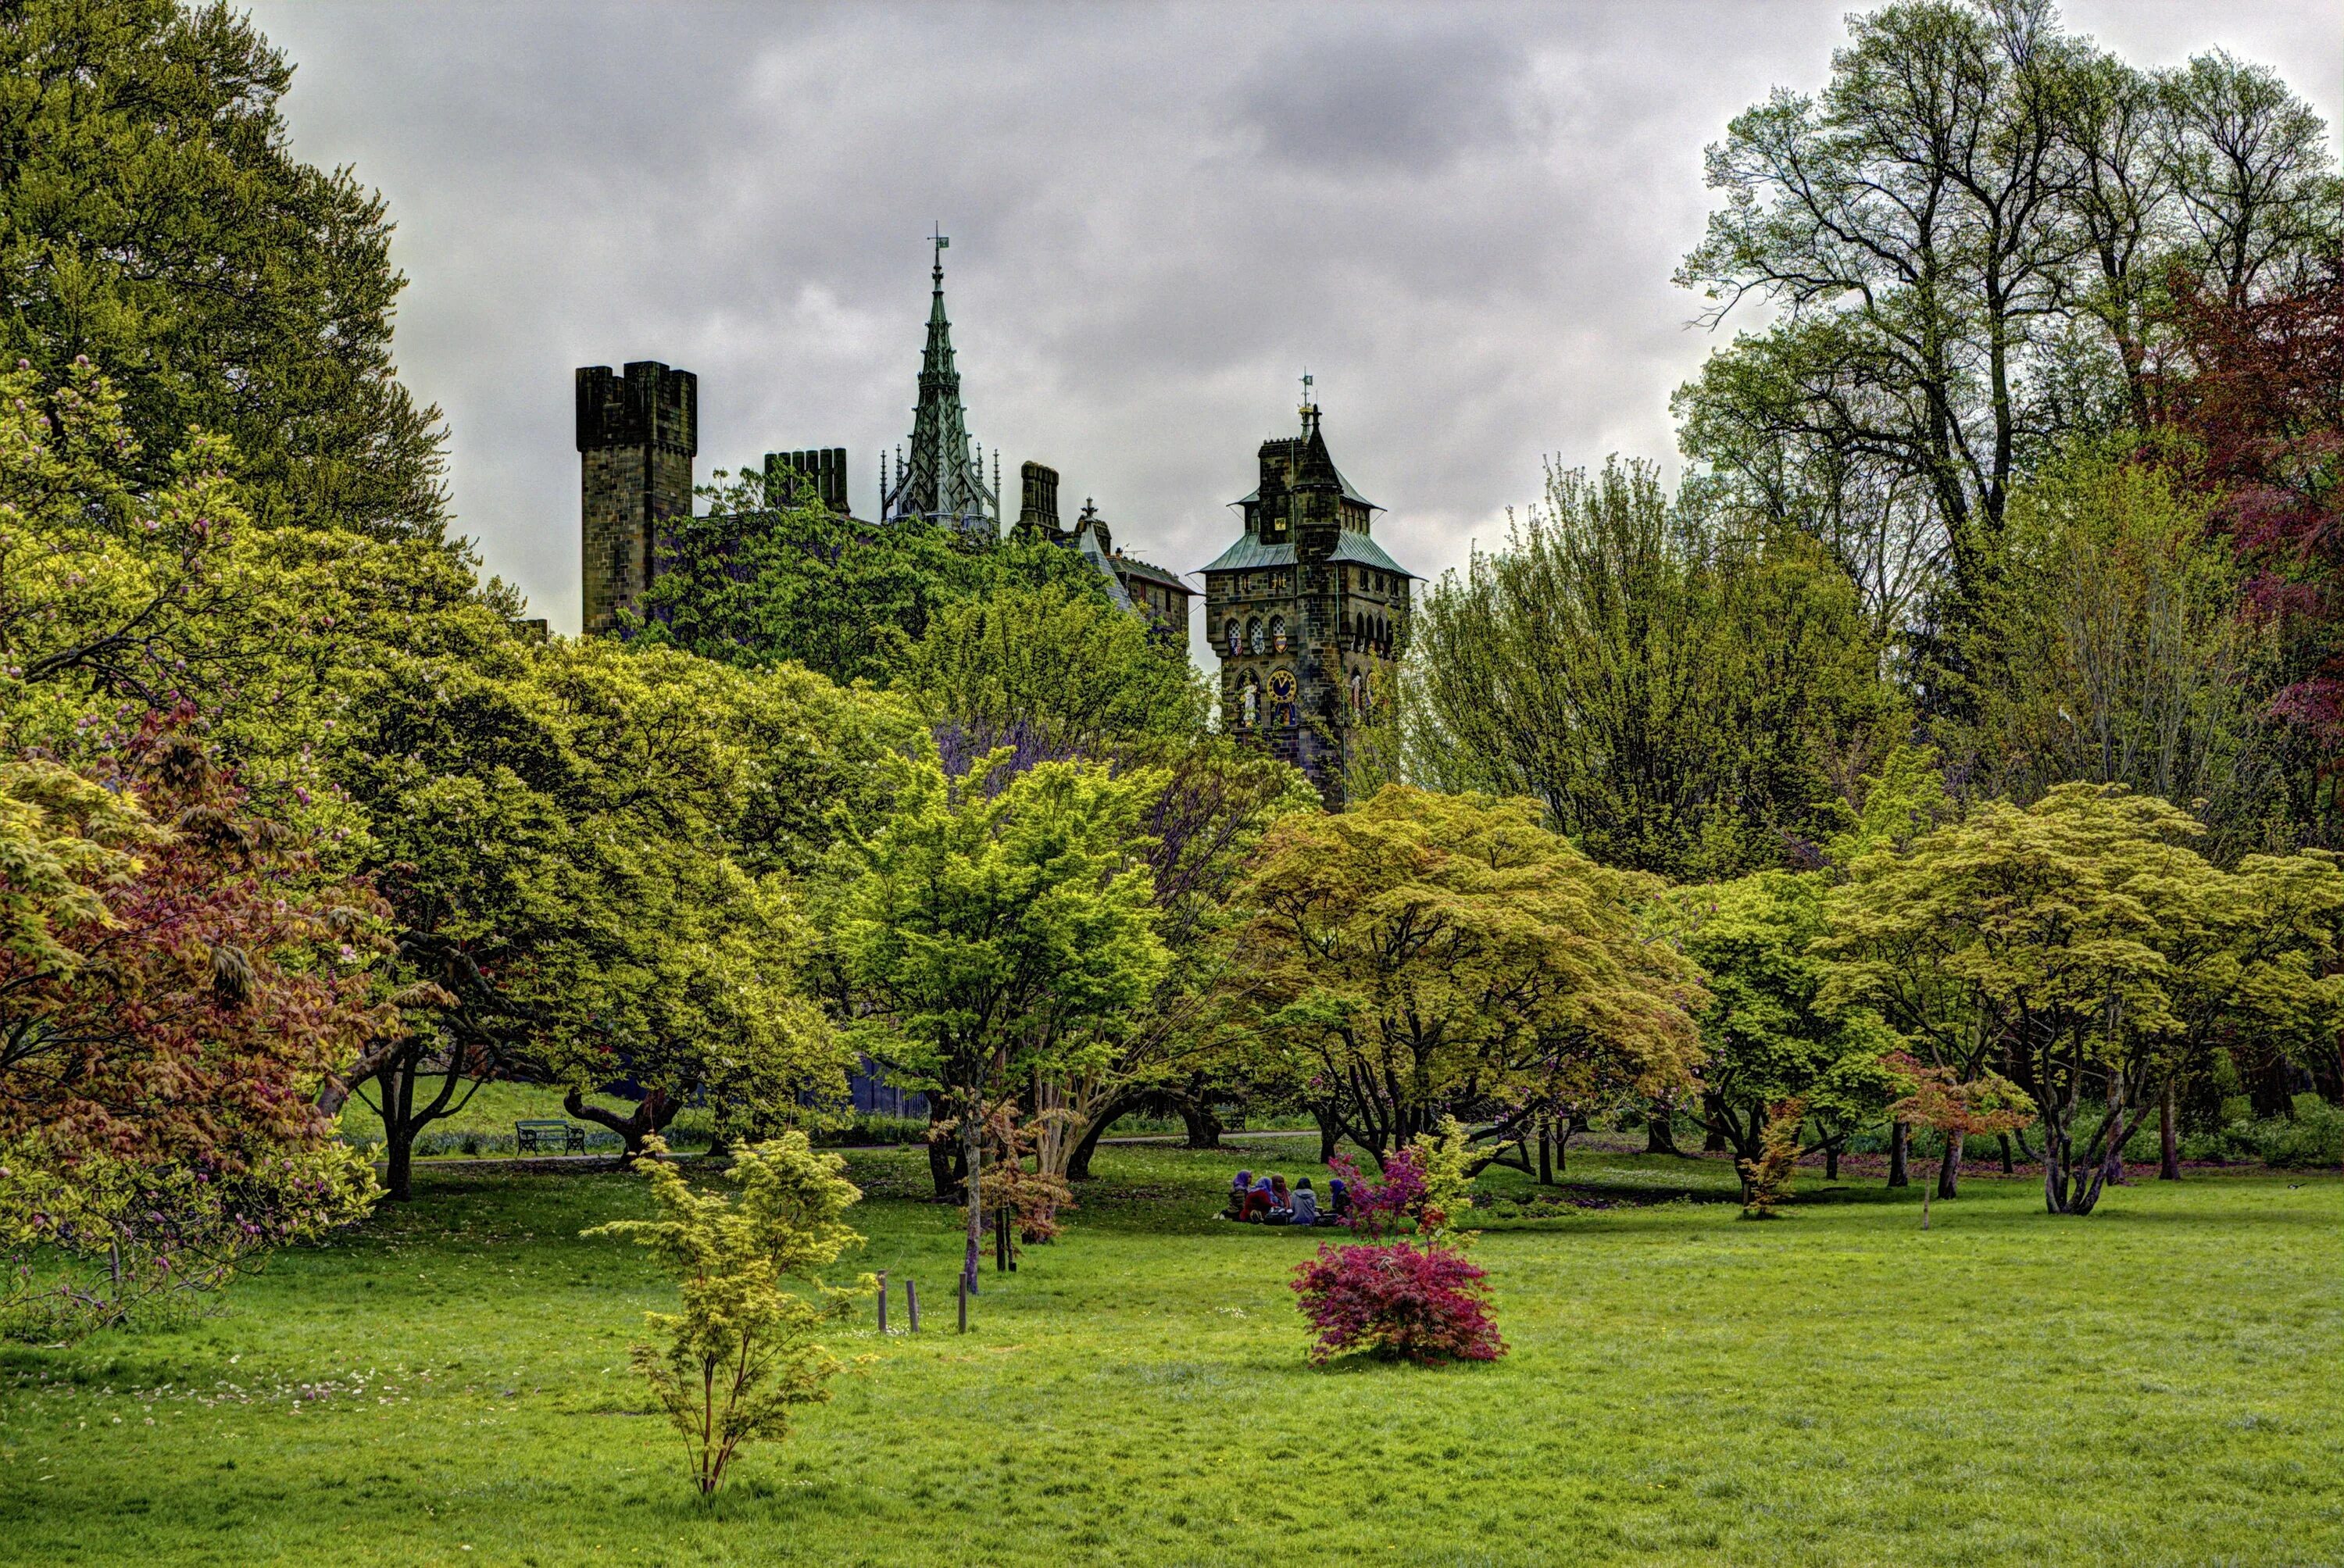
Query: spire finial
{"points": [[1309, 403], [941, 241]]}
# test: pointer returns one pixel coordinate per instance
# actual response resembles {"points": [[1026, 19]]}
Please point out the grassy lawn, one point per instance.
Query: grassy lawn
{"points": [[2155, 1384]]}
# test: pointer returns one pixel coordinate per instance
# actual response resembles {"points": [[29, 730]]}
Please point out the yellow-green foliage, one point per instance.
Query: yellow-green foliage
{"points": [[1447, 1161], [1422, 952], [62, 840], [742, 1352]]}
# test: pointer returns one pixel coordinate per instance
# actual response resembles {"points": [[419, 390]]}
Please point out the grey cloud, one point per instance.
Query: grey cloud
{"points": [[1411, 98]]}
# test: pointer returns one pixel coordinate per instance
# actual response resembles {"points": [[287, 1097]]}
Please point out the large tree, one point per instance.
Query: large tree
{"points": [[1680, 695], [2110, 650], [2257, 388], [1964, 239], [1424, 955], [153, 218], [990, 931], [2083, 948]]}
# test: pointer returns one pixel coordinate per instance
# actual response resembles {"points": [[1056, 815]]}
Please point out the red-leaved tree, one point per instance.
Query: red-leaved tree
{"points": [[2259, 387], [1427, 1305], [165, 1026]]}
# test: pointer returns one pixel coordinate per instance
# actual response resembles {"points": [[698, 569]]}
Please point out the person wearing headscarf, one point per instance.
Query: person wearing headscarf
{"points": [[1235, 1210], [1259, 1201], [1339, 1201], [1306, 1204]]}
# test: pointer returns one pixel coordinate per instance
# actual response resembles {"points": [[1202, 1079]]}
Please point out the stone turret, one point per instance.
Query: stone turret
{"points": [[819, 474], [638, 433]]}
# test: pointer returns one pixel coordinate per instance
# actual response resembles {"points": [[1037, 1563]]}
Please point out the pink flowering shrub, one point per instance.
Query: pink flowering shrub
{"points": [[1428, 1305], [1390, 1203]]}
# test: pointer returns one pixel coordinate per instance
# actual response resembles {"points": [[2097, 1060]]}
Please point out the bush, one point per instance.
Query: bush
{"points": [[2314, 1135], [1395, 1301]]}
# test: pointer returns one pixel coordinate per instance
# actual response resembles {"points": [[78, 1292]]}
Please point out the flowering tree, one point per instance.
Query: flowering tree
{"points": [[165, 1023]]}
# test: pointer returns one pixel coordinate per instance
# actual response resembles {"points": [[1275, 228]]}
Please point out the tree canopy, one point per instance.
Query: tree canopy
{"points": [[1422, 955]]}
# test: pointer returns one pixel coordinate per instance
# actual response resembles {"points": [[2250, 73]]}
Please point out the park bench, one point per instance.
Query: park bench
{"points": [[549, 1138]]}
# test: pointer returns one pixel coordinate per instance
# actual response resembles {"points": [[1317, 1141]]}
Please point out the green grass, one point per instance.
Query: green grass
{"points": [[2155, 1384]]}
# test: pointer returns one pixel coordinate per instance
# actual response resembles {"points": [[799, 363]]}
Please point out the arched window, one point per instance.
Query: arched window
{"points": [[1253, 634], [1277, 634], [1233, 637]]}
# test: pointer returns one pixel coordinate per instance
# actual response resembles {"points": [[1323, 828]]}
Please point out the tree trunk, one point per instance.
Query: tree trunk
{"points": [[1830, 1160], [2168, 1143], [2112, 1171], [1331, 1134], [1715, 1142], [973, 1162], [943, 1153], [1660, 1126], [1900, 1141], [398, 1090], [1546, 1155], [651, 1115], [1078, 1163], [1204, 1123], [1949, 1168], [2008, 1168]]}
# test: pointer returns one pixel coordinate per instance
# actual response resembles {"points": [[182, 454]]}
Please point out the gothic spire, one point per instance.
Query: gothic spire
{"points": [[942, 480]]}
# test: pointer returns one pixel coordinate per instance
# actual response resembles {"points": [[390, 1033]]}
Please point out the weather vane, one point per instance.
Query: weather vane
{"points": [[1306, 391]]}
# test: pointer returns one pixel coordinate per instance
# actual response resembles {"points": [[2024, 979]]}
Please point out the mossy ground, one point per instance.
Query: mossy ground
{"points": [[2153, 1385]]}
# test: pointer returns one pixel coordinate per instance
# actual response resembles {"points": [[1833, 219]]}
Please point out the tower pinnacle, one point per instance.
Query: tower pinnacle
{"points": [[942, 481]]}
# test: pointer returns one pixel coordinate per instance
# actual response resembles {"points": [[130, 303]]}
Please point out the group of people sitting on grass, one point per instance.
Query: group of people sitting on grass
{"points": [[1264, 1200]]}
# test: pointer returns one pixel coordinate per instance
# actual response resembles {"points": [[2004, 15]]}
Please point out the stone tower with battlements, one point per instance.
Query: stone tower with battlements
{"points": [[1305, 612], [638, 433]]}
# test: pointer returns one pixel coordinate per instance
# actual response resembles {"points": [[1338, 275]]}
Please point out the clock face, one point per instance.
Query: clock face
{"points": [[1281, 685]]}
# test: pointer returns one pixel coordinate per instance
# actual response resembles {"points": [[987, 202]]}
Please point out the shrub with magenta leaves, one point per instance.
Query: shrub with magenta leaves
{"points": [[1427, 1305]]}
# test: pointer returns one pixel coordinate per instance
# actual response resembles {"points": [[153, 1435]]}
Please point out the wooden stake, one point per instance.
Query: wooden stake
{"points": [[1001, 1240], [912, 1302], [882, 1300], [964, 1303]]}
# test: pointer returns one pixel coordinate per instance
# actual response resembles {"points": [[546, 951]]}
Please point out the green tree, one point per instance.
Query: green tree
{"points": [[1679, 697], [759, 581], [153, 218], [1964, 239], [987, 928], [1185, 1046], [1767, 1036], [742, 1355], [1424, 954], [2081, 946], [2110, 650]]}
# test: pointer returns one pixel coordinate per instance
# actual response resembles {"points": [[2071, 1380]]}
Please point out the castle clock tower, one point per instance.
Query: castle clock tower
{"points": [[1305, 612]]}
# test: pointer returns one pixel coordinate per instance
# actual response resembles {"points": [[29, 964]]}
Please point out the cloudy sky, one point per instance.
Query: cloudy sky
{"points": [[1461, 219]]}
